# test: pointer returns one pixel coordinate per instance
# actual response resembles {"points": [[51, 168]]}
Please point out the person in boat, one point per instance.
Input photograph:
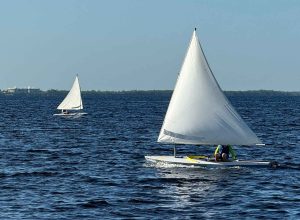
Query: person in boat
{"points": [[65, 112], [222, 153]]}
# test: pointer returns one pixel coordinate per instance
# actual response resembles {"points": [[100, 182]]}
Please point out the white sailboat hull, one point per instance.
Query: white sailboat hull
{"points": [[204, 162], [73, 114]]}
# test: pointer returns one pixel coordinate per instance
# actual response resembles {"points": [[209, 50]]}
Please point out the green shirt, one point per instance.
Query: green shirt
{"points": [[231, 151]]}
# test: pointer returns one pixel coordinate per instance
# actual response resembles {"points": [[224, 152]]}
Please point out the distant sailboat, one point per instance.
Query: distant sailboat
{"points": [[72, 104], [200, 114]]}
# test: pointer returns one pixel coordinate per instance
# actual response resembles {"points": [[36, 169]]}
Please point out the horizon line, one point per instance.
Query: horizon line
{"points": [[146, 90]]}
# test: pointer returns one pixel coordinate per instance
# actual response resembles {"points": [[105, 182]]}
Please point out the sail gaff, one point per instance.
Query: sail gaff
{"points": [[199, 112], [73, 100]]}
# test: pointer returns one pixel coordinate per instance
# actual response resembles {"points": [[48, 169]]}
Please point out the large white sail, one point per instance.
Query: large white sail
{"points": [[73, 100], [199, 112]]}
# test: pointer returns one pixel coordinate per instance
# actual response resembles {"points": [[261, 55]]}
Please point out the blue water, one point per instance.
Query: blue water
{"points": [[94, 168]]}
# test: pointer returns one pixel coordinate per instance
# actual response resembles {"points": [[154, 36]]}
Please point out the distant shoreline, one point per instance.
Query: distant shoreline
{"points": [[91, 92]]}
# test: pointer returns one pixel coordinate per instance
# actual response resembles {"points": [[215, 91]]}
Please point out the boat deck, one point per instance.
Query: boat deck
{"points": [[205, 162]]}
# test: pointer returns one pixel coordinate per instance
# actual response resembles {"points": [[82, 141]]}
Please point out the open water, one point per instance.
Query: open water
{"points": [[93, 167]]}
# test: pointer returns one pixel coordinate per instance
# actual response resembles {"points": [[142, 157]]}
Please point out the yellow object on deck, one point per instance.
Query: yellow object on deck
{"points": [[197, 157], [194, 158]]}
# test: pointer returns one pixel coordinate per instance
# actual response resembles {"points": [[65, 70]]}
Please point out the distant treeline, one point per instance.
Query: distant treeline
{"points": [[261, 93], [168, 92], [53, 92]]}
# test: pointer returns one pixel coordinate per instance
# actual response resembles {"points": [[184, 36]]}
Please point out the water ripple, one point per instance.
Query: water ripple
{"points": [[93, 167]]}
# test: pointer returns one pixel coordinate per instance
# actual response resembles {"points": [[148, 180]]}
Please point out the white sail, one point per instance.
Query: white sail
{"points": [[199, 112], [73, 100]]}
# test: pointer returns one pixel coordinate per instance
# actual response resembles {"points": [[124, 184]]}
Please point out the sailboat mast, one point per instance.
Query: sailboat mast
{"points": [[174, 150], [81, 105]]}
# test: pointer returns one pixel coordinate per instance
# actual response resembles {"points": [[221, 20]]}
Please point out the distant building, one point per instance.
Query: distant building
{"points": [[16, 90]]}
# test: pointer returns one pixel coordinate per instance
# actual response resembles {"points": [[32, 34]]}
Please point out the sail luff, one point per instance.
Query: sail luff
{"points": [[81, 104], [199, 112]]}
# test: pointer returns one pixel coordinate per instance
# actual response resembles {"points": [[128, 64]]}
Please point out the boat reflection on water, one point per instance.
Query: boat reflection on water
{"points": [[202, 190]]}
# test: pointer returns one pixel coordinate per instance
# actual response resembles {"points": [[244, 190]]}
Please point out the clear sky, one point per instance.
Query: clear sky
{"points": [[138, 44]]}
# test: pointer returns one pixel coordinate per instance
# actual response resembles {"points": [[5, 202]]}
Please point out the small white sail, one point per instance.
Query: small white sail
{"points": [[73, 100], [199, 112]]}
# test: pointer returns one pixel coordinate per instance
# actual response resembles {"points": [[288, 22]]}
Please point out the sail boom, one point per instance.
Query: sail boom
{"points": [[72, 108], [207, 143], [175, 138], [79, 108]]}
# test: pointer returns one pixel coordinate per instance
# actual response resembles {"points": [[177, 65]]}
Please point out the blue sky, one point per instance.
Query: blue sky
{"points": [[138, 44]]}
